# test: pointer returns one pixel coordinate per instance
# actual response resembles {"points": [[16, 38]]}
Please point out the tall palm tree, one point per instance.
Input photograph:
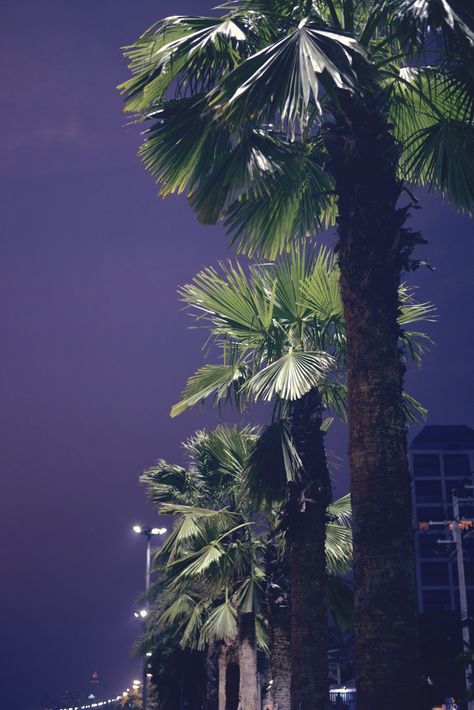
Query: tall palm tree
{"points": [[214, 559], [281, 333], [281, 117]]}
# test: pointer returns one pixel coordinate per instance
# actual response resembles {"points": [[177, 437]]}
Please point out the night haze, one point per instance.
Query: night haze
{"points": [[95, 347]]}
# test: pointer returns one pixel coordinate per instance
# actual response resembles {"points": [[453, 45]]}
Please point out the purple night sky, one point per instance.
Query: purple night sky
{"points": [[94, 345]]}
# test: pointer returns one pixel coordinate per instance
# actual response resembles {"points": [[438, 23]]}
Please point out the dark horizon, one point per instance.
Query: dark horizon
{"points": [[96, 347]]}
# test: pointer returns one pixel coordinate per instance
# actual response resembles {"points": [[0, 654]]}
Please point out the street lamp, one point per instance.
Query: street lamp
{"points": [[148, 532]]}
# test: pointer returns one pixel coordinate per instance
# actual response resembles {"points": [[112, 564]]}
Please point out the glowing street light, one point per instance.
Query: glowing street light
{"points": [[141, 614]]}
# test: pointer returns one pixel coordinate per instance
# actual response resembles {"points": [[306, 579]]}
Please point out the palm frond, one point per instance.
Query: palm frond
{"points": [[432, 115], [286, 205], [231, 302], [413, 20], [222, 382], [183, 144], [169, 483], [291, 376], [221, 623], [442, 158], [189, 52], [320, 289], [285, 76], [338, 547], [272, 463], [414, 411], [250, 593], [341, 509]]}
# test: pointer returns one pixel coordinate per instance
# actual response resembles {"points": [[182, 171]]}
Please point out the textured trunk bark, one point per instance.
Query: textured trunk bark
{"points": [[212, 673], [280, 661], [373, 248], [278, 601], [307, 535], [248, 685], [222, 676]]}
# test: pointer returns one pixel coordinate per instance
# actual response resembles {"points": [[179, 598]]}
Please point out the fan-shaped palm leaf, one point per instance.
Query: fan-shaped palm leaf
{"points": [[290, 203], [192, 51], [282, 78], [221, 623], [291, 376]]}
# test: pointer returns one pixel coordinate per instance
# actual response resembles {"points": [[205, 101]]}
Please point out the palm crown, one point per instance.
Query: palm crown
{"points": [[242, 106], [280, 332]]}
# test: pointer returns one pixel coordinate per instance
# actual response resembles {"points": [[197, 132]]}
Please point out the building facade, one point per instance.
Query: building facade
{"points": [[441, 460]]}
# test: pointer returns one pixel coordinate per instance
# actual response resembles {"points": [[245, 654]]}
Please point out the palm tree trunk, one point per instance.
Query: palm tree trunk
{"points": [[278, 601], [307, 535], [212, 672], [280, 660], [373, 248], [222, 676], [248, 684]]}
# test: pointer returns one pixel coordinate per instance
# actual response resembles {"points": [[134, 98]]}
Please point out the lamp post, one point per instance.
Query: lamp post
{"points": [[148, 533]]}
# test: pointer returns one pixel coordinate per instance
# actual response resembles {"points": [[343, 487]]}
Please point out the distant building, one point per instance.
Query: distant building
{"points": [[441, 459]]}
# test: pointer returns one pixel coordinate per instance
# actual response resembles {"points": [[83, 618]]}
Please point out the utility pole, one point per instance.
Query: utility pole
{"points": [[457, 535], [455, 527]]}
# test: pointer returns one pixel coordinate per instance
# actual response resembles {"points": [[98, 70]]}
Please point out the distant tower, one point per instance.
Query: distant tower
{"points": [[94, 686], [441, 459]]}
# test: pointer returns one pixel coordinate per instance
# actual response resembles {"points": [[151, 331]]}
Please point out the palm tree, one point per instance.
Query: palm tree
{"points": [[215, 558], [282, 117], [211, 558], [281, 333]]}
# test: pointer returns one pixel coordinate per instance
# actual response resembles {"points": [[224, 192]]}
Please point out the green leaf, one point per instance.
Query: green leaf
{"points": [[272, 463], [189, 51], [291, 376], [219, 381], [221, 623], [414, 411], [183, 144], [285, 205], [432, 115], [284, 77]]}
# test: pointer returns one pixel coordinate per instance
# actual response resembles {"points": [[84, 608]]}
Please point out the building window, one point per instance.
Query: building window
{"points": [[436, 600], [435, 574], [428, 491], [429, 546], [426, 465], [425, 513], [456, 465]]}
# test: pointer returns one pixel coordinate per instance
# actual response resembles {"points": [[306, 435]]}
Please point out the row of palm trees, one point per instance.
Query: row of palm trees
{"points": [[259, 544], [282, 118], [225, 587]]}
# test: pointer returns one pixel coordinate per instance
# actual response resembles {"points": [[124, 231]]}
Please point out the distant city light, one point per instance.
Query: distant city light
{"points": [[137, 528]]}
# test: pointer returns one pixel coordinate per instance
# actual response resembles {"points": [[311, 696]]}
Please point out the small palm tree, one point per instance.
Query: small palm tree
{"points": [[215, 561], [281, 334], [282, 117]]}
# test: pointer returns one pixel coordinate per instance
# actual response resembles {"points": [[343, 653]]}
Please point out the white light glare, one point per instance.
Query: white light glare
{"points": [[137, 528], [158, 531], [143, 613], [135, 682], [148, 654]]}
